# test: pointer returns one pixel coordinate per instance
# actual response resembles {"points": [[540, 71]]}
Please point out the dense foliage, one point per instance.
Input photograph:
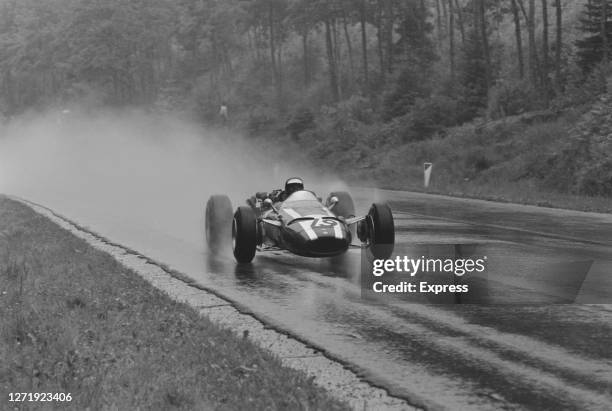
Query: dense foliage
{"points": [[356, 74], [595, 47], [274, 55]]}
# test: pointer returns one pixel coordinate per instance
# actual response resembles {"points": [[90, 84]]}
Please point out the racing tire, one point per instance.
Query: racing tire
{"points": [[244, 234], [218, 223], [380, 231], [345, 206]]}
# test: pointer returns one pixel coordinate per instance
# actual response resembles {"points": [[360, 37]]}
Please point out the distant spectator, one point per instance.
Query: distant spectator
{"points": [[223, 113]]}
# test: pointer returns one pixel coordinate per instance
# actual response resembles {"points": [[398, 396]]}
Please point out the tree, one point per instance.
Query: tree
{"points": [[545, 51], [439, 30], [559, 43], [480, 22], [518, 37], [345, 11], [533, 54], [300, 18], [414, 52], [117, 46], [363, 13], [275, 13], [326, 13], [460, 20], [268, 17], [381, 25], [451, 39], [471, 73], [596, 24], [603, 32], [31, 53]]}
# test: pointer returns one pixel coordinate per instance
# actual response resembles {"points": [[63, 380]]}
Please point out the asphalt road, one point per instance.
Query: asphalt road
{"points": [[521, 350]]}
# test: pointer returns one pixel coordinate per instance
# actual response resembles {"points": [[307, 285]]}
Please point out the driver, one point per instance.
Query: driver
{"points": [[291, 186]]}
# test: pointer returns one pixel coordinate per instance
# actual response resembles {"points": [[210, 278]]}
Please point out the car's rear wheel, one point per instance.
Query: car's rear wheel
{"points": [[244, 234], [218, 223], [345, 206], [378, 231]]}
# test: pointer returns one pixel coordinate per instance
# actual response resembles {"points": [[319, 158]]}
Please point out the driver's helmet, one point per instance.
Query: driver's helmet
{"points": [[293, 184]]}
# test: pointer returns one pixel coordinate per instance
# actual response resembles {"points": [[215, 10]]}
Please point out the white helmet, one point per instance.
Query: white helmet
{"points": [[293, 184]]}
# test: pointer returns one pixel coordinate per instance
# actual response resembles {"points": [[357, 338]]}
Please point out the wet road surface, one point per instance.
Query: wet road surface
{"points": [[522, 350]]}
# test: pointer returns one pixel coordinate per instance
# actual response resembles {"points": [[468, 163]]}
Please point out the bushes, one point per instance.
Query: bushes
{"points": [[410, 85], [300, 121], [582, 167], [261, 119], [357, 108], [477, 161], [511, 98], [582, 89], [595, 179], [427, 118], [431, 115], [532, 149]]}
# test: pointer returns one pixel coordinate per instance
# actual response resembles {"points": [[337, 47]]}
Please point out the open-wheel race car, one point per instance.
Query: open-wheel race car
{"points": [[302, 224]]}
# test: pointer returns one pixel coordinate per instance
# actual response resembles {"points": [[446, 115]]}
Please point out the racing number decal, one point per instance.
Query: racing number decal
{"points": [[322, 222]]}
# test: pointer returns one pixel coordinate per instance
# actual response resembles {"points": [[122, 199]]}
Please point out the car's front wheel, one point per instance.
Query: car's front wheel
{"points": [[377, 231], [244, 234]]}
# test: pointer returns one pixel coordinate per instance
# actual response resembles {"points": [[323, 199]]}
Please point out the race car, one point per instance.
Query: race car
{"points": [[302, 224]]}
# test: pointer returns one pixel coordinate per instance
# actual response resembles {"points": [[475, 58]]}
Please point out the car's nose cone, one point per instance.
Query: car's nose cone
{"points": [[326, 246], [309, 239]]}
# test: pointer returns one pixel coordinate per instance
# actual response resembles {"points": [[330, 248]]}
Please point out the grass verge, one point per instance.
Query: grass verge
{"points": [[509, 160], [75, 321]]}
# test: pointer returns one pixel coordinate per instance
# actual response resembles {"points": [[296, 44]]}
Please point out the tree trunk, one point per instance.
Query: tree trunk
{"points": [[439, 23], [333, 79], [273, 57], [604, 35], [559, 45], [305, 54], [379, 36], [485, 42], [451, 40], [337, 57], [272, 44], [349, 48], [279, 64], [389, 34], [260, 42], [444, 12], [519, 39], [460, 21], [533, 56], [545, 50], [364, 42], [9, 93]]}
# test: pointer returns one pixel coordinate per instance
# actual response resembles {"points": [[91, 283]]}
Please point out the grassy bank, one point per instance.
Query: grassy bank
{"points": [[539, 158], [75, 321]]}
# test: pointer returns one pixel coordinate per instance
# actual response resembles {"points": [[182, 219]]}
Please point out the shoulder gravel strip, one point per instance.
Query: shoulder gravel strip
{"points": [[326, 373]]}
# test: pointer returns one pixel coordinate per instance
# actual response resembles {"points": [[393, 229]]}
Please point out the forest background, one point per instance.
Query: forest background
{"points": [[508, 98]]}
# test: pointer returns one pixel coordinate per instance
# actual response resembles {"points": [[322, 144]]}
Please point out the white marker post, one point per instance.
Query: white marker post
{"points": [[427, 173]]}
